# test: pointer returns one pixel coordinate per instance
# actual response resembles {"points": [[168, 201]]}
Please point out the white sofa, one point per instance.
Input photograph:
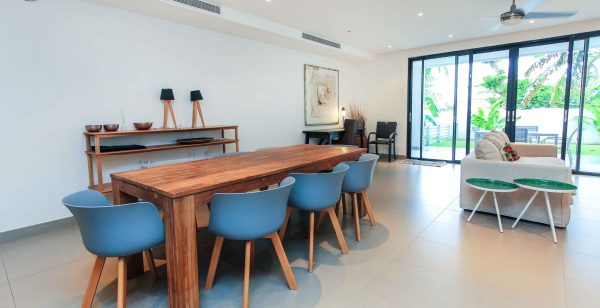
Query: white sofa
{"points": [[537, 161]]}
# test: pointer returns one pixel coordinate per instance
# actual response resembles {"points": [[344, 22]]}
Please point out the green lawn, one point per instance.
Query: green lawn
{"points": [[586, 149]]}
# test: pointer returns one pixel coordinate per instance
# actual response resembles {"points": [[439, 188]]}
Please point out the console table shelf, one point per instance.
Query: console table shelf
{"points": [[94, 154]]}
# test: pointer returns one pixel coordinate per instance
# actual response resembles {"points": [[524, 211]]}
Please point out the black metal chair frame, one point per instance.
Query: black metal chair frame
{"points": [[391, 143]]}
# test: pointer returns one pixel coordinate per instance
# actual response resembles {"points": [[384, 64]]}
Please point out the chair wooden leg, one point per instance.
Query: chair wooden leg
{"points": [[122, 283], [88, 298], [283, 260], [214, 261], [356, 216], [247, 273], [252, 250], [151, 265], [338, 230], [285, 223], [320, 220], [311, 239], [344, 204], [369, 208]]}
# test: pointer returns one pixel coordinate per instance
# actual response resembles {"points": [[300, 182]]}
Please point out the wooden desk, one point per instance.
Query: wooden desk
{"points": [[327, 135], [178, 188]]}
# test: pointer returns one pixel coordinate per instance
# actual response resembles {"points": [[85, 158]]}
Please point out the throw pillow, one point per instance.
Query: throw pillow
{"points": [[503, 135], [495, 139], [508, 154], [486, 150]]}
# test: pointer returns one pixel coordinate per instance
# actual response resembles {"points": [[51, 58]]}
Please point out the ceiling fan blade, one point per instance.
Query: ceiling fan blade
{"points": [[539, 15], [530, 5]]}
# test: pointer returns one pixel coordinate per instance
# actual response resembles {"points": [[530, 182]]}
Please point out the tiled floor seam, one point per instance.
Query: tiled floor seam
{"points": [[9, 286], [411, 241], [43, 271]]}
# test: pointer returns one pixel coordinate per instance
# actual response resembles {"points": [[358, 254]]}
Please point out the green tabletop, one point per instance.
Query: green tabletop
{"points": [[545, 185], [491, 184]]}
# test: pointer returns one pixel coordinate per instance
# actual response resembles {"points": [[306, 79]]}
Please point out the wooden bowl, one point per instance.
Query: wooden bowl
{"points": [[142, 125], [93, 128], [111, 127]]}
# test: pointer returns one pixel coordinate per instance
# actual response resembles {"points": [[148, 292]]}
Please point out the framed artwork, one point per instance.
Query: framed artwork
{"points": [[321, 95]]}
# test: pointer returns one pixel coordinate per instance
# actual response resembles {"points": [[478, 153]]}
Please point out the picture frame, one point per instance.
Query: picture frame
{"points": [[321, 95]]}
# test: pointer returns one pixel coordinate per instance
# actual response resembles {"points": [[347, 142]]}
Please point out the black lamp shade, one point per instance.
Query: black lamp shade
{"points": [[195, 95], [167, 95]]}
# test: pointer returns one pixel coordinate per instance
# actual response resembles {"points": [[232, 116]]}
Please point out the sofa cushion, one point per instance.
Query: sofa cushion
{"points": [[542, 161], [486, 150]]}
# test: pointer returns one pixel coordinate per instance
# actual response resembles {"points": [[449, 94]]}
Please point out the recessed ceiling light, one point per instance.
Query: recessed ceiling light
{"points": [[450, 35], [268, 0], [389, 46], [531, 21], [420, 14]]}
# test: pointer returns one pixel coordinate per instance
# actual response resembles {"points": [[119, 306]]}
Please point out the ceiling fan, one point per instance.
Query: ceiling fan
{"points": [[516, 15]]}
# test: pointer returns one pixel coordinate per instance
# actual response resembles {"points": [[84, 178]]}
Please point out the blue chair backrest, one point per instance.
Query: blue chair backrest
{"points": [[252, 215], [317, 191], [113, 231], [360, 175]]}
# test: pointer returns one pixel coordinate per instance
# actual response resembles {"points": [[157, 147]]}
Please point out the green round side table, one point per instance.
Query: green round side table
{"points": [[545, 186], [493, 186]]}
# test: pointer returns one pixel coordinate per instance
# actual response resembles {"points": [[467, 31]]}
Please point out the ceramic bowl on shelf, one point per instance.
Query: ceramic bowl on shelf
{"points": [[93, 128], [111, 127], [142, 125]]}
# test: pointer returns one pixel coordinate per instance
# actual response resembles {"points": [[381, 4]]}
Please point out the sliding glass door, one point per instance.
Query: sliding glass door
{"points": [[589, 115], [543, 92], [540, 103], [489, 88]]}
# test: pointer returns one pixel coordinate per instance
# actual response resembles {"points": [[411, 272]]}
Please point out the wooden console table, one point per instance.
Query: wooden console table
{"points": [[94, 139]]}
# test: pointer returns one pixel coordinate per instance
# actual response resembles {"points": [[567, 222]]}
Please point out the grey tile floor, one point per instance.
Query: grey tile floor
{"points": [[422, 253]]}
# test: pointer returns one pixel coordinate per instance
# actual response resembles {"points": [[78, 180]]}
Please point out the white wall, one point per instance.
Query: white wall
{"points": [[67, 63], [384, 82]]}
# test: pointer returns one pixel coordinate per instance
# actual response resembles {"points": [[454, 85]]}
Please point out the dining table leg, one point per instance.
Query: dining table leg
{"points": [[180, 248], [135, 263]]}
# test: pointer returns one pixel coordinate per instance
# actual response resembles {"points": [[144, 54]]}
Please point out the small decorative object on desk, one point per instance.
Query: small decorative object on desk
{"points": [[111, 127], [196, 97], [142, 125], [93, 128], [358, 114], [166, 95]]}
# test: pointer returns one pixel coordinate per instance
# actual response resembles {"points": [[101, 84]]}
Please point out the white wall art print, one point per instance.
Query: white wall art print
{"points": [[321, 95]]}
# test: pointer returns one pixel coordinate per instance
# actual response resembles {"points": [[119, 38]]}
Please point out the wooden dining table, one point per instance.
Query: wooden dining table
{"points": [[178, 188]]}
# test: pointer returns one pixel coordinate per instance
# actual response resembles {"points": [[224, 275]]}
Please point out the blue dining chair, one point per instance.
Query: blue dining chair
{"points": [[317, 192], [115, 231], [357, 181], [246, 217]]}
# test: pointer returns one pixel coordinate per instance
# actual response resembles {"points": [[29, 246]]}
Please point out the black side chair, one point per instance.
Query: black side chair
{"points": [[350, 132], [385, 135]]}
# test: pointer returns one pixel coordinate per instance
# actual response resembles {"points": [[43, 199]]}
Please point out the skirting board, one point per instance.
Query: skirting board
{"points": [[36, 229]]}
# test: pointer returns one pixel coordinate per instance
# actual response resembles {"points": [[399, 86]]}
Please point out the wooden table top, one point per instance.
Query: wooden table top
{"points": [[189, 178]]}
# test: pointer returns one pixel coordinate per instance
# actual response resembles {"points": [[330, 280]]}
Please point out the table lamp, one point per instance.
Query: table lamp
{"points": [[196, 97], [166, 95]]}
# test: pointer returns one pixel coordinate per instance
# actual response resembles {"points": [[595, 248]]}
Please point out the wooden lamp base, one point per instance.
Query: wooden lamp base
{"points": [[197, 110], [168, 109]]}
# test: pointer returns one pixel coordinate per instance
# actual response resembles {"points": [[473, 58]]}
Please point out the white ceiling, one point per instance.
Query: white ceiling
{"points": [[374, 24]]}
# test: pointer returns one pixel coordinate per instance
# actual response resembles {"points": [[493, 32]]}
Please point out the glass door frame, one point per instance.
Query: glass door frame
{"points": [[511, 99]]}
